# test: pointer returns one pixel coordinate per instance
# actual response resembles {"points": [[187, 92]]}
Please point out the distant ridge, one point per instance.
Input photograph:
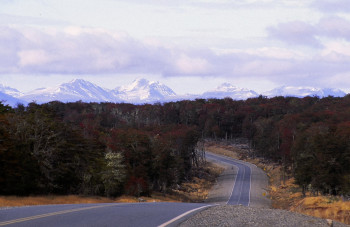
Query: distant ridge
{"points": [[10, 100], [228, 90], [144, 91], [304, 91], [75, 90]]}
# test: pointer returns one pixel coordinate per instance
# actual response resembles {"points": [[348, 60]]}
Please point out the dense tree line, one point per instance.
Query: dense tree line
{"points": [[114, 148], [92, 149]]}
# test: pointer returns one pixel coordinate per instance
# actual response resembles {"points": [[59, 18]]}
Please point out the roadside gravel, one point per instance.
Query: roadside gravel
{"points": [[229, 215]]}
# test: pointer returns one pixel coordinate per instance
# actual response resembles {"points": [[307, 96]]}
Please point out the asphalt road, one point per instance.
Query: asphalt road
{"points": [[110, 214], [237, 189], [237, 182], [249, 183]]}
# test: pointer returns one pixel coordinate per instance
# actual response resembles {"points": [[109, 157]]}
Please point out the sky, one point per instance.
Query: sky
{"points": [[190, 45]]}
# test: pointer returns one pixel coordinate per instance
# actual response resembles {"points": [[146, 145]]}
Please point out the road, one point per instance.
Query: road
{"points": [[110, 214], [239, 192], [130, 214], [249, 183]]}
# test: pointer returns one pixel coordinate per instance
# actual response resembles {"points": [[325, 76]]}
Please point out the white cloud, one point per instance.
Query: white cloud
{"points": [[192, 66], [33, 57]]}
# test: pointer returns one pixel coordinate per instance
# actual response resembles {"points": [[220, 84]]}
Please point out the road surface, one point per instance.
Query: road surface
{"points": [[239, 181], [249, 183], [238, 191], [109, 214]]}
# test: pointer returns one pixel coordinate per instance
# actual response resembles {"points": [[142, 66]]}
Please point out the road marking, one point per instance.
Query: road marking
{"points": [[245, 164], [242, 183], [250, 184], [183, 215], [52, 214]]}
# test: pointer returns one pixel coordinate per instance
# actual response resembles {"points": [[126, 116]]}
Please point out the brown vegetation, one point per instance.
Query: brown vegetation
{"points": [[195, 190], [198, 189]]}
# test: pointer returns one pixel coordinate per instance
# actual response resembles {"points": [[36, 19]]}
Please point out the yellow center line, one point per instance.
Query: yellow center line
{"points": [[52, 214]]}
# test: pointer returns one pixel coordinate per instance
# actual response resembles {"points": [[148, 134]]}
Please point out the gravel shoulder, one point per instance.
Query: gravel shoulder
{"points": [[228, 215]]}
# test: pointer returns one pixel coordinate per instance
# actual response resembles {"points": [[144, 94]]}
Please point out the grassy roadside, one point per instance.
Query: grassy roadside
{"points": [[287, 195], [14, 201], [194, 191]]}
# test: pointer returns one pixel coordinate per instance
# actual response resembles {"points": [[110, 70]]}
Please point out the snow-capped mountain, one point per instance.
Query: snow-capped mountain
{"points": [[10, 91], [304, 91], [10, 100], [142, 90], [75, 90], [228, 90]]}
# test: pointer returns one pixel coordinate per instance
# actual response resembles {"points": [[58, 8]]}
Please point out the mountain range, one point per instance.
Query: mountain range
{"points": [[145, 91]]}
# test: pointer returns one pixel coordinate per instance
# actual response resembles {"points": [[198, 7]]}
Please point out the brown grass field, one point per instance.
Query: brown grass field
{"points": [[287, 195]]}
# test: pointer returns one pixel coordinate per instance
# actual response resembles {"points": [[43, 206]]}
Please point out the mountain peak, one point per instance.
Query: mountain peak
{"points": [[79, 82], [143, 90], [137, 84], [75, 90]]}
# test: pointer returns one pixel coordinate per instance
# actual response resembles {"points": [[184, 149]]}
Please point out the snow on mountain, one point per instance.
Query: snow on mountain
{"points": [[75, 90], [304, 91], [10, 91], [10, 100], [142, 90], [228, 90]]}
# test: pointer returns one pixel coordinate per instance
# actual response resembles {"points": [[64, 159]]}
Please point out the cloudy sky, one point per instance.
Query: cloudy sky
{"points": [[189, 45]]}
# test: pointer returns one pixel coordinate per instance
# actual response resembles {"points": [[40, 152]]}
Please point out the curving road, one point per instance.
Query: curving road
{"points": [[241, 183], [237, 183], [237, 189]]}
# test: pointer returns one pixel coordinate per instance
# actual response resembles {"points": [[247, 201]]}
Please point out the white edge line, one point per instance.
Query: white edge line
{"points": [[183, 215], [250, 184]]}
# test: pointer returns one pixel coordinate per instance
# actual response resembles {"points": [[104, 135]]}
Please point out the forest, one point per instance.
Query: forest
{"points": [[118, 148]]}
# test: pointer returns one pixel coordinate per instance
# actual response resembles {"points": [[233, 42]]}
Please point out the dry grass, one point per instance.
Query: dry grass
{"points": [[324, 207], [223, 150], [287, 195], [198, 189], [8, 201], [11, 201]]}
